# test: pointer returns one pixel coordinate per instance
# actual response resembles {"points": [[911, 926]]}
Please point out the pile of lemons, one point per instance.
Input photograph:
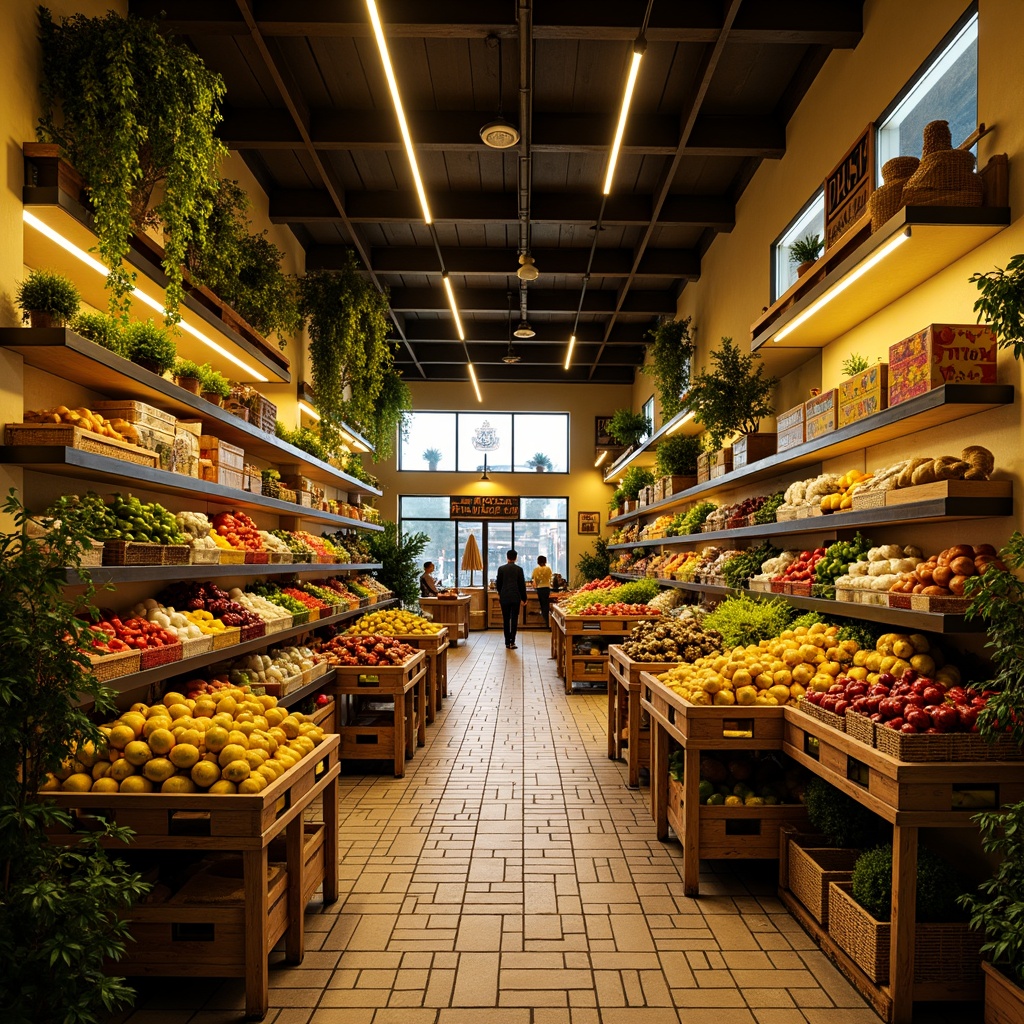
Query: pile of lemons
{"points": [[393, 622], [770, 673], [228, 742]]}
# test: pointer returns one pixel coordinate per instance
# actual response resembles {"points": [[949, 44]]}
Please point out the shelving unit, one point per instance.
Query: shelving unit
{"points": [[167, 573]]}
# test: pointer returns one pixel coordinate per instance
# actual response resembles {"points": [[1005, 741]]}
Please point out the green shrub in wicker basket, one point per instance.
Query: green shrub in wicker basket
{"points": [[938, 885], [839, 818]]}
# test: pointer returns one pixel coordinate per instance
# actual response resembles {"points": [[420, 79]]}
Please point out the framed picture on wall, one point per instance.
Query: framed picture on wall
{"points": [[602, 439], [588, 522]]}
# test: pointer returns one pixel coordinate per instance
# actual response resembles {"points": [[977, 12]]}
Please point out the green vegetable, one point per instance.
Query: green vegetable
{"points": [[740, 568], [807, 620], [635, 592], [838, 557], [766, 513], [746, 620], [691, 522], [938, 885]]}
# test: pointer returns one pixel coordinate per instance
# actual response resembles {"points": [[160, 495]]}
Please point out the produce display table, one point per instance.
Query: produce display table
{"points": [[558, 638], [436, 648], [910, 796], [588, 668], [625, 730], [452, 611], [372, 734], [708, 831], [530, 616], [229, 938]]}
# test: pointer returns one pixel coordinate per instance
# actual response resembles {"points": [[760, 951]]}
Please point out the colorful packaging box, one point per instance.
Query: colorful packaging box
{"points": [[941, 354], [821, 414], [864, 394]]}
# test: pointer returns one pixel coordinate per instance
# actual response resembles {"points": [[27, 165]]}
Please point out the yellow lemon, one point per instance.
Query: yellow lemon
{"points": [[135, 720], [178, 784], [238, 737], [253, 784], [136, 784], [174, 697], [205, 773], [121, 735], [216, 738], [79, 782], [236, 771], [157, 711], [222, 787], [184, 755], [177, 711], [204, 709], [105, 785], [223, 719], [254, 758], [121, 769], [158, 770], [101, 769], [161, 741], [230, 752], [137, 752]]}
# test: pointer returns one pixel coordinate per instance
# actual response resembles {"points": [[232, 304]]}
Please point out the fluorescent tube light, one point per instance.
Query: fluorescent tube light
{"points": [[309, 410], [451, 302], [601, 458], [80, 254], [620, 130], [837, 289], [678, 423], [568, 355], [389, 72], [476, 386]]}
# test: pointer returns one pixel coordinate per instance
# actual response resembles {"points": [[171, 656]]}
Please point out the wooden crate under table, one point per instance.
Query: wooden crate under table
{"points": [[370, 734], [605, 626], [232, 939], [436, 648]]}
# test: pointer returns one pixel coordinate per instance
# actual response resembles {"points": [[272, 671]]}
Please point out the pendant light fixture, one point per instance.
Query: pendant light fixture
{"points": [[527, 268], [524, 330], [510, 356], [499, 133]]}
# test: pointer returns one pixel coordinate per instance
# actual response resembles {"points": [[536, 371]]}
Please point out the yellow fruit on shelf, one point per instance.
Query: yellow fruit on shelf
{"points": [[178, 784], [222, 787], [78, 782], [137, 752], [204, 774], [184, 755], [105, 785], [136, 784]]}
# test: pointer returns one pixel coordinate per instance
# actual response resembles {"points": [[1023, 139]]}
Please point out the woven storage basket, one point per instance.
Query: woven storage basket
{"points": [[253, 631], [256, 558], [195, 646], [161, 656], [950, 605], [810, 870], [913, 746], [887, 199], [860, 727], [280, 557], [945, 176], [971, 746], [205, 556], [828, 718], [92, 555], [899, 600], [175, 554], [300, 618], [67, 436], [130, 552], [786, 515], [276, 625], [228, 638], [112, 666]]}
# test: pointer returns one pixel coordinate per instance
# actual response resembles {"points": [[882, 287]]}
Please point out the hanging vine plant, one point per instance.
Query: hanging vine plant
{"points": [[349, 351], [133, 110], [671, 350], [389, 421]]}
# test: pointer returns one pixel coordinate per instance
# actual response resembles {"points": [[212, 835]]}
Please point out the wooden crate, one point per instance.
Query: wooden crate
{"points": [[607, 627], [821, 414], [790, 427], [68, 436], [950, 489], [751, 447]]}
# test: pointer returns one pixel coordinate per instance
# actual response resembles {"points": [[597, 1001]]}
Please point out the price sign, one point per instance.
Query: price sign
{"points": [[484, 506]]}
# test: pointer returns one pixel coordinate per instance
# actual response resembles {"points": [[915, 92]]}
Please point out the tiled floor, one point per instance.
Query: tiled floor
{"points": [[512, 878]]}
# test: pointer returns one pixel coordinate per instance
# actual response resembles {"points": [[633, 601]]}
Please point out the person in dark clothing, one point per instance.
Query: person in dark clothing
{"points": [[511, 586]]}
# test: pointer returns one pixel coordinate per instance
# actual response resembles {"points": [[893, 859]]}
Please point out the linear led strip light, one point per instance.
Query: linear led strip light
{"points": [[446, 281], [634, 68], [840, 286], [601, 458], [568, 355], [476, 386], [678, 423], [80, 254]]}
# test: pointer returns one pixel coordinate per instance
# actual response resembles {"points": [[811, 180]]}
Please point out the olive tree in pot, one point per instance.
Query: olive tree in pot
{"points": [[47, 299], [997, 910]]}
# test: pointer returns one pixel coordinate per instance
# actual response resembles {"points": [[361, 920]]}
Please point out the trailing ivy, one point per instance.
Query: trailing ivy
{"points": [[133, 110], [671, 350], [389, 420]]}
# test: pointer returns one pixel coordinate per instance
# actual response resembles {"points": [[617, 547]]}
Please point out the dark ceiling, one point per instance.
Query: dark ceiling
{"points": [[308, 107]]}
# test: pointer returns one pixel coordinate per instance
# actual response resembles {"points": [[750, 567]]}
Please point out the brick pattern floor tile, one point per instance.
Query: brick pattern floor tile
{"points": [[512, 877]]}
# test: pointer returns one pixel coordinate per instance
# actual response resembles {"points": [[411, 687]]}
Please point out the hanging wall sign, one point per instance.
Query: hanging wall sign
{"points": [[484, 506], [848, 186]]}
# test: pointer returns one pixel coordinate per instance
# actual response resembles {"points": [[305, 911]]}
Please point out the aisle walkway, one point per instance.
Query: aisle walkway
{"points": [[512, 878]]}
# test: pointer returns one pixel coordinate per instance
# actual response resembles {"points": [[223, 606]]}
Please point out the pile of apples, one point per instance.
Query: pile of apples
{"points": [[802, 570], [375, 649]]}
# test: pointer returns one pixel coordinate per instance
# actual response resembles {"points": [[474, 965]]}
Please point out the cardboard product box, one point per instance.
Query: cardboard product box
{"points": [[184, 456], [751, 447], [703, 467], [721, 463], [821, 414], [220, 453], [790, 427], [941, 354], [864, 394]]}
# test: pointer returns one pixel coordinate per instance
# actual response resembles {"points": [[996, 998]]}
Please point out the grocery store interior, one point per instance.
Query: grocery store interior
{"points": [[321, 322]]}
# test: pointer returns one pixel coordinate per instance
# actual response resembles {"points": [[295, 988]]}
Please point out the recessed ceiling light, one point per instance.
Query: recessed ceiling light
{"points": [[499, 134]]}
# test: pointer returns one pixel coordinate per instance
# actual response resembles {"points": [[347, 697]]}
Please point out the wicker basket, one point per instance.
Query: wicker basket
{"points": [[228, 638], [810, 870], [175, 554], [196, 645], [920, 746], [887, 199], [860, 727], [131, 552], [231, 557], [92, 555], [161, 656], [899, 601], [944, 954], [276, 625], [112, 666], [950, 605], [253, 631], [300, 618], [256, 557], [287, 494], [67, 436], [800, 588], [971, 746], [945, 176], [828, 718], [760, 586]]}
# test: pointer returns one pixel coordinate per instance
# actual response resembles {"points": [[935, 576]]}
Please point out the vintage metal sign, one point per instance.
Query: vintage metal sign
{"points": [[848, 186]]}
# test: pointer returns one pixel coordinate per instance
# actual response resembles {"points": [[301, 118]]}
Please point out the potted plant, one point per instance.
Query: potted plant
{"points": [[62, 905], [139, 125], [732, 397], [47, 299], [187, 375], [676, 462], [997, 910], [1001, 303], [540, 463], [671, 358], [805, 252], [853, 364], [102, 329], [213, 386], [634, 480], [432, 456], [399, 555], [618, 500], [628, 428], [150, 346]]}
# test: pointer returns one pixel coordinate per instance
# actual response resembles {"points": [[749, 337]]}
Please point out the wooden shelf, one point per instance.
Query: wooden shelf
{"points": [[938, 236], [64, 354], [290, 699], [941, 405], [139, 680], [898, 618], [936, 510], [644, 454], [169, 573]]}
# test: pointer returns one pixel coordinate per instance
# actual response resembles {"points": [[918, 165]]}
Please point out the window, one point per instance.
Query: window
{"points": [[541, 530], [648, 412], [946, 89], [809, 221], [459, 442]]}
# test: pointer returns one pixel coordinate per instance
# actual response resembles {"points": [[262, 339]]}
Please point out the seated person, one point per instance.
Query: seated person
{"points": [[428, 585]]}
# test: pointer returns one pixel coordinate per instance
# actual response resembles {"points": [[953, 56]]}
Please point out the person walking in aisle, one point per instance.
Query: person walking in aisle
{"points": [[542, 584], [511, 587]]}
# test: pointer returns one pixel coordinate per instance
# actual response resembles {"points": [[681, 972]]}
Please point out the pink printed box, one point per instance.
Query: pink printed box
{"points": [[941, 354]]}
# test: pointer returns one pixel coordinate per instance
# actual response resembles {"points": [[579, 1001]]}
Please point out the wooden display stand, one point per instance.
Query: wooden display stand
{"points": [[624, 711], [578, 667], [732, 832], [558, 638], [368, 735], [435, 647], [453, 612], [234, 938], [529, 617], [910, 796]]}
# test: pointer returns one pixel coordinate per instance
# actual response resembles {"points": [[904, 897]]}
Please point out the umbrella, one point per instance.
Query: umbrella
{"points": [[471, 559]]}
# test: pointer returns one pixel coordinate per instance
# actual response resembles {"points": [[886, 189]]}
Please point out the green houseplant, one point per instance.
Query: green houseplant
{"points": [[618, 497], [628, 427], [432, 456], [103, 329], [853, 364], [671, 350], [187, 375], [732, 397], [805, 251], [677, 455], [540, 463], [61, 906], [593, 565], [213, 386], [136, 113], [150, 346], [398, 554], [47, 299], [1001, 303], [634, 480]]}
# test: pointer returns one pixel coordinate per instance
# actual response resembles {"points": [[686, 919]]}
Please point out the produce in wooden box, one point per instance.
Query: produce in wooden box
{"points": [[136, 634], [273, 667], [619, 608], [117, 429], [206, 623], [226, 742], [897, 653], [802, 570], [804, 494], [393, 622], [209, 597], [880, 568], [304, 597], [238, 530], [265, 609], [129, 519], [271, 542], [670, 640], [735, 779], [842, 499], [374, 649], [170, 619], [944, 574]]}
